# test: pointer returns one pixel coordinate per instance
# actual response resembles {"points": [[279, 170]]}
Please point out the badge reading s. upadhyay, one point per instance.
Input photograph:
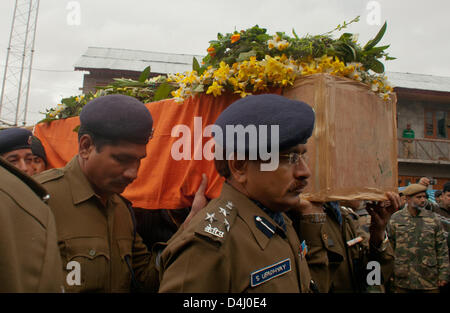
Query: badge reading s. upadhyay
{"points": [[214, 231], [267, 273]]}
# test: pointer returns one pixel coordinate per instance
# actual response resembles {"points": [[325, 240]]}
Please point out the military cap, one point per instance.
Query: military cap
{"points": [[295, 121], [14, 139], [413, 189], [38, 149], [117, 117]]}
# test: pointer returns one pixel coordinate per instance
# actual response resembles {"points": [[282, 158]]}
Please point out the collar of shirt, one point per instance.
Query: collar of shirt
{"points": [[80, 186], [332, 209], [276, 216], [420, 212], [247, 210]]}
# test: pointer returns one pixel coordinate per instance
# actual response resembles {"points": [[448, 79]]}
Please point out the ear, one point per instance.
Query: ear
{"points": [[239, 170], [85, 146]]}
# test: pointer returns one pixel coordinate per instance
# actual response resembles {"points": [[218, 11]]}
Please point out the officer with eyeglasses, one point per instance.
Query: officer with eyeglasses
{"points": [[243, 241]]}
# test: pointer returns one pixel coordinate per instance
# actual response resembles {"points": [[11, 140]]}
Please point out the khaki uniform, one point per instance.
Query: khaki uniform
{"points": [[421, 254], [335, 266], [28, 250], [100, 238], [226, 248]]}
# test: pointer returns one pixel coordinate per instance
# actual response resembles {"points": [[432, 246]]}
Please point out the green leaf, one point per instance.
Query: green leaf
{"points": [[376, 50], [372, 43], [377, 67], [295, 34], [145, 74], [388, 58], [262, 37], [246, 55], [346, 36], [195, 65], [163, 91], [352, 51]]}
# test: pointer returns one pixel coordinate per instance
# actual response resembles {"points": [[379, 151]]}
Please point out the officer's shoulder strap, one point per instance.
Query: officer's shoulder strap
{"points": [[49, 175], [348, 212], [217, 221]]}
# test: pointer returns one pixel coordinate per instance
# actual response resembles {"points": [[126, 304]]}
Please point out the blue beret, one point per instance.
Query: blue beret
{"points": [[295, 120], [38, 149], [117, 117], [14, 139]]}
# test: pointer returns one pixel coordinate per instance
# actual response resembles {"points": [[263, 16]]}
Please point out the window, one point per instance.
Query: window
{"points": [[437, 124]]}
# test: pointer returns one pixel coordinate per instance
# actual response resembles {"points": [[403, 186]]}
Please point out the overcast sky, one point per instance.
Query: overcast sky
{"points": [[418, 32]]}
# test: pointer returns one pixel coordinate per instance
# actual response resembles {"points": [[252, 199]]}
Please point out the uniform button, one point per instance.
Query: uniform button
{"points": [[92, 252]]}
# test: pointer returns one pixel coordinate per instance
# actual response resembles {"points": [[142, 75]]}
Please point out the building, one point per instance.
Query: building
{"points": [[422, 101], [105, 64]]}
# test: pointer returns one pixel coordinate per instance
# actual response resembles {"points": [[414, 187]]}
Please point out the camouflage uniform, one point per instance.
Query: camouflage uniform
{"points": [[421, 254]]}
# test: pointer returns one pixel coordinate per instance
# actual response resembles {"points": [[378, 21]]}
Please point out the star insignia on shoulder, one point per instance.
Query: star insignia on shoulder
{"points": [[223, 211], [227, 224], [210, 217], [229, 205]]}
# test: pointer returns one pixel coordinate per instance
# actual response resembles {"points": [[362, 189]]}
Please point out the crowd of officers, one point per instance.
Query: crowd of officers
{"points": [[257, 236]]}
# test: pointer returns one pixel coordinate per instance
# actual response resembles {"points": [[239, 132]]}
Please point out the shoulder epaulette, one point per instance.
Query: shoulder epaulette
{"points": [[348, 212], [218, 220], [49, 175]]}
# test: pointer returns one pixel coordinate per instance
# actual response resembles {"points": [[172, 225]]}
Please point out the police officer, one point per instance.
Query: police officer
{"points": [[421, 253], [39, 162], [96, 227], [29, 252], [15, 147], [242, 241]]}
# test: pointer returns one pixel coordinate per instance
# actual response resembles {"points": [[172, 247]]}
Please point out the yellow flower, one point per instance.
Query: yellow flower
{"points": [[282, 45], [215, 89], [271, 44]]}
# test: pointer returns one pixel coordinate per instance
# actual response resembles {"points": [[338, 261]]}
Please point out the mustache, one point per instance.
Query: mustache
{"points": [[298, 185], [123, 182]]}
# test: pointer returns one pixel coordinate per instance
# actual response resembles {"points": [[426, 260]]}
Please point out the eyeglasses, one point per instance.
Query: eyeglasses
{"points": [[295, 157]]}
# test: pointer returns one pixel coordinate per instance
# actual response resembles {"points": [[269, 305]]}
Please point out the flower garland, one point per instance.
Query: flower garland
{"points": [[251, 61], [252, 76]]}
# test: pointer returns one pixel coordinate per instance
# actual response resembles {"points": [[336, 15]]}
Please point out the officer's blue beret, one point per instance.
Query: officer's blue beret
{"points": [[38, 149], [117, 117], [295, 120], [14, 139]]}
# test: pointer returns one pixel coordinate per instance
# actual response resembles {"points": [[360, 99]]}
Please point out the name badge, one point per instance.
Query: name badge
{"points": [[267, 273]]}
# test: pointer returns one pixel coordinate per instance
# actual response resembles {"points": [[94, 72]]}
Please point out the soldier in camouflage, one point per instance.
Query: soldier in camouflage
{"points": [[421, 253]]}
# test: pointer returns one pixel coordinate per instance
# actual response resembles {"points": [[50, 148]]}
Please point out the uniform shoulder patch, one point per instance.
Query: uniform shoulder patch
{"points": [[49, 175], [217, 221]]}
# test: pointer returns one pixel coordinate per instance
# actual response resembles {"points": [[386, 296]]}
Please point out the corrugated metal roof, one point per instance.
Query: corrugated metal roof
{"points": [[419, 81], [135, 60], [165, 63]]}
